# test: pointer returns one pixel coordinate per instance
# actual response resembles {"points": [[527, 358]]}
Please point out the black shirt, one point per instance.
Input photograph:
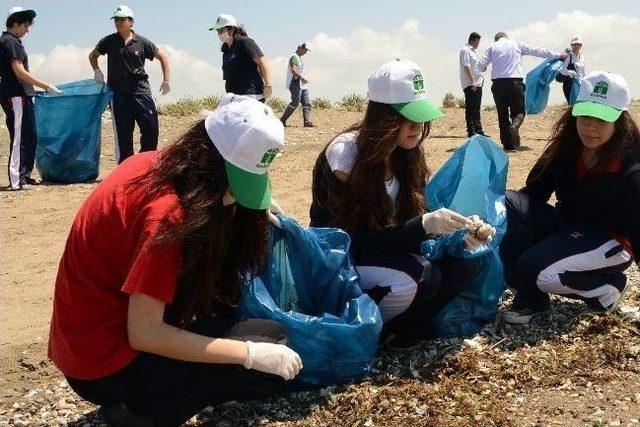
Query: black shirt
{"points": [[10, 49], [608, 201], [125, 64], [240, 73], [404, 237]]}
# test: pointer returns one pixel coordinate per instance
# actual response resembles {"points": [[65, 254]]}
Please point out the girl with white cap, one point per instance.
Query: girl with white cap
{"points": [[368, 181], [580, 247], [245, 69], [152, 270], [572, 66]]}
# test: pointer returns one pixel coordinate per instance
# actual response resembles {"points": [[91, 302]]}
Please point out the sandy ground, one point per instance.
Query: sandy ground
{"points": [[35, 224]]}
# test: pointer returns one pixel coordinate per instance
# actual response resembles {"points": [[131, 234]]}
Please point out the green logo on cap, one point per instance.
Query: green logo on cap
{"points": [[418, 82], [600, 89], [268, 157]]}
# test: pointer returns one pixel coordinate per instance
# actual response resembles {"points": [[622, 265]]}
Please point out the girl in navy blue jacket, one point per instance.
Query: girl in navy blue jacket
{"points": [[580, 247]]}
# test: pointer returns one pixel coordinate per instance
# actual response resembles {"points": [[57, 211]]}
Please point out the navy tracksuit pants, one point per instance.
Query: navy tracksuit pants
{"points": [[543, 254], [21, 122], [127, 110]]}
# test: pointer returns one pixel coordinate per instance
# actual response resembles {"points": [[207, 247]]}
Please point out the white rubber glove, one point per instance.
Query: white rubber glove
{"points": [[472, 242], [444, 221], [571, 73], [276, 359], [54, 90], [165, 88], [98, 76]]}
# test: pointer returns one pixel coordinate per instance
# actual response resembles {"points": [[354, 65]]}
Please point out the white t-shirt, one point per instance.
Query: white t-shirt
{"points": [[342, 155], [469, 58], [578, 63], [299, 63]]}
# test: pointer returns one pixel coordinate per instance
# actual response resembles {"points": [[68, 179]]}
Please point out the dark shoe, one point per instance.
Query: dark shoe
{"points": [[309, 125], [522, 313], [402, 342], [120, 416], [284, 123], [32, 181]]}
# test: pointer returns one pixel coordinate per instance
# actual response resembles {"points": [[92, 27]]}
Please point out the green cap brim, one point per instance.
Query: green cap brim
{"points": [[249, 189], [594, 109], [419, 111], [121, 15], [216, 27]]}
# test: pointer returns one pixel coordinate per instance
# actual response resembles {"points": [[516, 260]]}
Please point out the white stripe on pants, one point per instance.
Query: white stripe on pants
{"points": [[14, 154], [403, 288], [549, 279]]}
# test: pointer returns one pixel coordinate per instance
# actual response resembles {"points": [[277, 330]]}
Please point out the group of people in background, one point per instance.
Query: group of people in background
{"points": [[143, 324], [508, 88]]}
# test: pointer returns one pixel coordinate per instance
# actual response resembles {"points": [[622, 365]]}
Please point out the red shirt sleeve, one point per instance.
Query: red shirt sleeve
{"points": [[156, 269]]}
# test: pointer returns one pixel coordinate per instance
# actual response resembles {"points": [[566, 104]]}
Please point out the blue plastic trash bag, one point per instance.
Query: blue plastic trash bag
{"points": [[311, 288], [68, 127], [472, 182], [575, 89], [537, 82]]}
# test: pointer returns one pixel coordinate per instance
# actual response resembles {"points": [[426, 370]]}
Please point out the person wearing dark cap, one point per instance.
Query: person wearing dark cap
{"points": [[132, 102], [505, 56], [16, 91], [471, 80], [297, 85]]}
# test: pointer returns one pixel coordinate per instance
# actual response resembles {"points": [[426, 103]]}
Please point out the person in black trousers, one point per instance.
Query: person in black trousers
{"points": [[505, 56], [132, 102], [16, 92], [472, 81], [580, 247]]}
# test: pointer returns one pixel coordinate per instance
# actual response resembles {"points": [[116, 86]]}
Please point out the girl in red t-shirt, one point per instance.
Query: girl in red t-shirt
{"points": [[153, 266]]}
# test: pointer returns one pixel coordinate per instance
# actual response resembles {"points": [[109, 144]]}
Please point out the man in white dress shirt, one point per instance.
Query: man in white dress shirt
{"points": [[505, 56], [471, 80]]}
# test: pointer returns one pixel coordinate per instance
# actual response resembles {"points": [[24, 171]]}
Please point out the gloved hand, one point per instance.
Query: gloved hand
{"points": [[54, 90], [98, 76], [571, 73], [471, 242], [443, 221], [276, 359], [165, 88]]}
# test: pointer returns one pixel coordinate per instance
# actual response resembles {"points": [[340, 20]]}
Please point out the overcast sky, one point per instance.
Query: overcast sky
{"points": [[350, 39]]}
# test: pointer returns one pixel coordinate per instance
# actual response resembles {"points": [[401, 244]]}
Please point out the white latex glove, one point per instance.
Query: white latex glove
{"points": [[571, 73], [98, 76], [267, 92], [443, 221], [276, 359], [165, 88], [54, 90]]}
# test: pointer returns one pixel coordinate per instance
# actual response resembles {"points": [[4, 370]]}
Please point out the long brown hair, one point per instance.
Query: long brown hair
{"points": [[367, 198], [565, 141], [221, 245]]}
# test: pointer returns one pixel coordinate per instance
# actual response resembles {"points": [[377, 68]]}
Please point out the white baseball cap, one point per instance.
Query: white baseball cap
{"points": [[122, 11], [248, 136], [576, 40], [305, 45], [603, 95], [19, 9], [401, 84], [224, 21]]}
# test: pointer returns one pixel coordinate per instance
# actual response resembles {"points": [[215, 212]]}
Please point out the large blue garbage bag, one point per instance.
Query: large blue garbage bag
{"points": [[312, 289], [537, 82], [472, 182], [575, 89], [68, 127]]}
